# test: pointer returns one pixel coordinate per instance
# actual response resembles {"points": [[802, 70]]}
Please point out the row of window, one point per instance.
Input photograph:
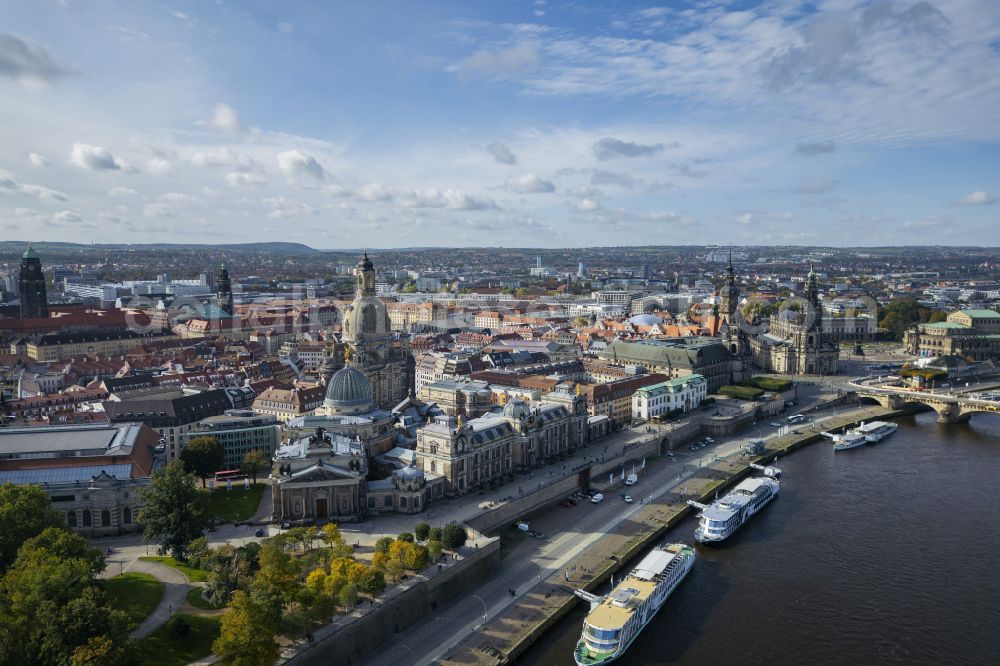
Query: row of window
{"points": [[89, 518]]}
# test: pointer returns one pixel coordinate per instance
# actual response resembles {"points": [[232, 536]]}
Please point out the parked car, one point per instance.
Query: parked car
{"points": [[775, 424], [259, 532], [628, 499], [597, 498]]}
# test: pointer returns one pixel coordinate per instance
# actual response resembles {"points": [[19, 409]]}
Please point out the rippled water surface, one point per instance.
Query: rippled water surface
{"points": [[884, 554]]}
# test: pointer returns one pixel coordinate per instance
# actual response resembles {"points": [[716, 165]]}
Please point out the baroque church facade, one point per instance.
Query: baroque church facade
{"points": [[368, 344], [730, 330], [795, 343]]}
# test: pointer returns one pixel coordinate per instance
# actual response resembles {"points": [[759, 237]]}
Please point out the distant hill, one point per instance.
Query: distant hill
{"points": [[272, 247]]}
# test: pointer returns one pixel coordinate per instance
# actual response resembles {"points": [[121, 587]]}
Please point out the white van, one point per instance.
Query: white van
{"points": [[631, 479], [597, 499]]}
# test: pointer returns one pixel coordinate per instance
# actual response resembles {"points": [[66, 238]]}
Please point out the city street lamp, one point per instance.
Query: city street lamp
{"points": [[485, 611]]}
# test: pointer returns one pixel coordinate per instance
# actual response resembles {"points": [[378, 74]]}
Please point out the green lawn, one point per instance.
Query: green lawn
{"points": [[160, 649], [195, 599], [135, 593], [194, 575], [236, 505]]}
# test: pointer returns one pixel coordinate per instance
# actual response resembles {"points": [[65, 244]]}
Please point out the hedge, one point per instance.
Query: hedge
{"points": [[741, 392], [770, 384]]}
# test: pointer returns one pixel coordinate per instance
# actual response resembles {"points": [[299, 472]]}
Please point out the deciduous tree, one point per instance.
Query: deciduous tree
{"points": [[253, 462], [174, 510], [25, 511], [203, 457], [246, 636]]}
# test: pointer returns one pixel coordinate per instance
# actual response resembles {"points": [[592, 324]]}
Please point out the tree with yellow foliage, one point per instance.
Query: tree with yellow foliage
{"points": [[246, 637]]}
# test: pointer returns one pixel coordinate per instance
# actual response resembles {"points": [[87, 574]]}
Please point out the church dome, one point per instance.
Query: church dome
{"points": [[348, 392], [516, 409], [30, 253], [409, 478], [366, 318], [645, 320]]}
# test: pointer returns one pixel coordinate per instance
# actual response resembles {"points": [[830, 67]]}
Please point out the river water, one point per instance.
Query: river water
{"points": [[886, 554]]}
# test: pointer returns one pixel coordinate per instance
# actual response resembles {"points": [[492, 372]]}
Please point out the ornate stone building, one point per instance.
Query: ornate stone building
{"points": [[224, 291], [368, 344], [732, 331], [795, 343]]}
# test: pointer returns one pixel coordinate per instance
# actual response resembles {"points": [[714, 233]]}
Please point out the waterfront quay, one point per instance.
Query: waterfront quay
{"points": [[510, 632]]}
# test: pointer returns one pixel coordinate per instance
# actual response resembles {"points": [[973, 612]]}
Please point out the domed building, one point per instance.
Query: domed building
{"points": [[348, 392], [369, 345], [647, 319]]}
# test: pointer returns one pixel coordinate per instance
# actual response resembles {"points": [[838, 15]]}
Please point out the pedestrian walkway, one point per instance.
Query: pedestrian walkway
{"points": [[175, 589]]}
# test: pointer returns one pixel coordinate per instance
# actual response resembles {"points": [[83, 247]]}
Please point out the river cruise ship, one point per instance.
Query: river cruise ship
{"points": [[724, 516], [617, 618], [876, 431]]}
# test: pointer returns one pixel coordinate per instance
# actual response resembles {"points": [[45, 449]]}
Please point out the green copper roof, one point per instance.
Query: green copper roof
{"points": [[981, 314], [30, 253]]}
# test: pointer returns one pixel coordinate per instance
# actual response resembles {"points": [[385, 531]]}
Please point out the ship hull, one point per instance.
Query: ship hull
{"points": [[617, 654], [711, 539]]}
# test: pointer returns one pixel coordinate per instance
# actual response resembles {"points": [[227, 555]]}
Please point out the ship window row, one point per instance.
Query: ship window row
{"points": [[603, 634]]}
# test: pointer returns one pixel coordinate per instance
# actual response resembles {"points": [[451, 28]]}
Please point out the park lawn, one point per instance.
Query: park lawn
{"points": [[160, 649], [194, 575], [195, 599], [236, 505], [138, 594]]}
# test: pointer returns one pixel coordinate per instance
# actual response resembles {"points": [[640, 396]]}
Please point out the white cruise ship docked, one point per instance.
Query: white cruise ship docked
{"points": [[876, 431], [617, 618], [724, 516]]}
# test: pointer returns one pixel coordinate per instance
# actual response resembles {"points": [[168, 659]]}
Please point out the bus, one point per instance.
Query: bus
{"points": [[796, 418], [233, 475]]}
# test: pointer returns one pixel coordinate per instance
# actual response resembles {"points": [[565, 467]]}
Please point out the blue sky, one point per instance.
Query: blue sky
{"points": [[529, 123]]}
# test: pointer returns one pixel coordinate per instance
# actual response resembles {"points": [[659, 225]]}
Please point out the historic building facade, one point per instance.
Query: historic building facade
{"points": [[972, 334], [795, 343], [369, 345]]}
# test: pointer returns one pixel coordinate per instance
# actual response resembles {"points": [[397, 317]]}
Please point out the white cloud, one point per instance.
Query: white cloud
{"points": [[67, 216], [28, 62], [297, 164], [245, 179], [977, 198], [811, 149], [498, 63], [95, 158], [10, 185], [161, 167], [529, 183], [284, 207], [501, 153], [122, 192], [434, 198], [38, 160], [375, 192], [225, 119], [225, 158], [181, 199], [587, 205]]}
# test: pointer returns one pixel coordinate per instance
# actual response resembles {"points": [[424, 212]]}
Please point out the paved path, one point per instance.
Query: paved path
{"points": [[175, 589]]}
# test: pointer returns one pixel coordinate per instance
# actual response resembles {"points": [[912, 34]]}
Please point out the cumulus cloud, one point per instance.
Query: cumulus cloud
{"points": [[817, 186], [498, 63], [181, 199], [450, 198], [224, 119], [10, 185], [977, 198], [95, 158], [501, 153], [38, 160], [298, 164], [609, 148], [161, 167], [811, 149], [122, 192], [25, 61], [245, 179], [375, 192], [587, 205], [67, 217], [529, 183]]}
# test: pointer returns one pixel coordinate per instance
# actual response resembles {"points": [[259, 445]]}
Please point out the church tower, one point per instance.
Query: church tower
{"points": [[729, 295], [31, 284], [224, 291], [812, 295]]}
